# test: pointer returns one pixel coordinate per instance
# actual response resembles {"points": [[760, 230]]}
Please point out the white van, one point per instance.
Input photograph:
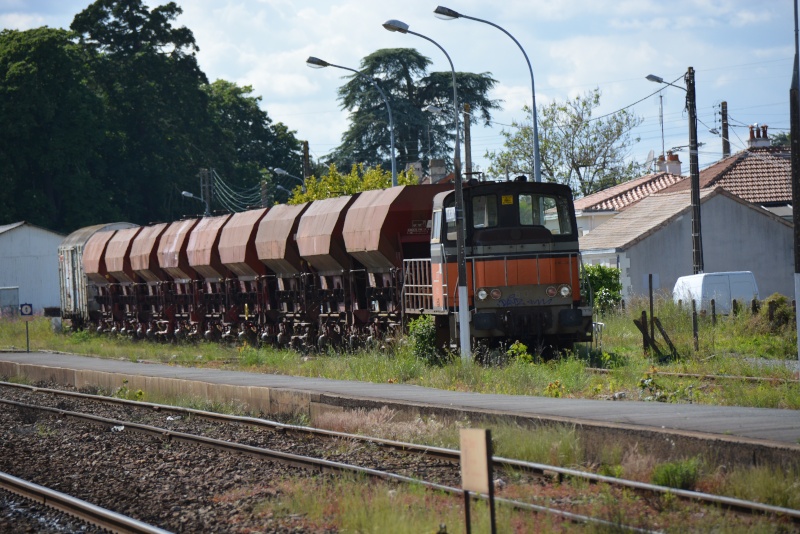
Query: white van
{"points": [[724, 288]]}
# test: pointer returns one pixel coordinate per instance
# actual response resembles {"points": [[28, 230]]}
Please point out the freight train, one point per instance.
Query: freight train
{"points": [[343, 271]]}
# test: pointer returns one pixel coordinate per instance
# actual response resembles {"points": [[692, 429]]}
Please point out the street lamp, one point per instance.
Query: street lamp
{"points": [[449, 14], [694, 168], [316, 63], [187, 194], [463, 302], [281, 172]]}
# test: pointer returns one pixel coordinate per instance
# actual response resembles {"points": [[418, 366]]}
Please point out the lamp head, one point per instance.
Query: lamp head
{"points": [[316, 63], [280, 172], [654, 78], [430, 108], [396, 26], [445, 13], [186, 194]]}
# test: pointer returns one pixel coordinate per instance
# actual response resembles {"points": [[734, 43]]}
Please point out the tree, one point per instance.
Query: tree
{"points": [[780, 139], [585, 153], [247, 142], [53, 123], [403, 77], [360, 178], [159, 131]]}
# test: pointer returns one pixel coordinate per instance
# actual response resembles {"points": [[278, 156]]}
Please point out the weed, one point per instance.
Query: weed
{"points": [[682, 474], [422, 332]]}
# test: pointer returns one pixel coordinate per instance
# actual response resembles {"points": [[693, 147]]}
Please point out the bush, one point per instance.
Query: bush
{"points": [[605, 285], [422, 332], [782, 314]]}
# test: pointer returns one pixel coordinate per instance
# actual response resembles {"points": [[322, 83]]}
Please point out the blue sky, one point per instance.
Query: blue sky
{"points": [[741, 50]]}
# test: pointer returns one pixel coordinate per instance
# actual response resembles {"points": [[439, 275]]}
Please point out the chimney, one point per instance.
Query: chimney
{"points": [[661, 164], [673, 164], [758, 136]]}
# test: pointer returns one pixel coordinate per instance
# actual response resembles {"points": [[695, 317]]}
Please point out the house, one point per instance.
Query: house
{"points": [[761, 174], [654, 236], [593, 210], [29, 262]]}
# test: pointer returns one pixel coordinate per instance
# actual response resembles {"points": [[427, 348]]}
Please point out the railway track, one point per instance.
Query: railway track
{"points": [[430, 464], [86, 512]]}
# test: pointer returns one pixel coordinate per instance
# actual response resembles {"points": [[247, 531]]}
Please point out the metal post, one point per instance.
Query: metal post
{"points": [[467, 144], [463, 300], [794, 114], [694, 173]]}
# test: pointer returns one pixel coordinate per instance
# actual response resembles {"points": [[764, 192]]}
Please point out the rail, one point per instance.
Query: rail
{"points": [[83, 510]]}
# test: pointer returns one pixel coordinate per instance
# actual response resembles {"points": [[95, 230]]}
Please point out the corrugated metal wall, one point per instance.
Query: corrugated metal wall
{"points": [[29, 260]]}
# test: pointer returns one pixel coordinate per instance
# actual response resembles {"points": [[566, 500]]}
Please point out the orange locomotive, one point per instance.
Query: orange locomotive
{"points": [[341, 271], [522, 264]]}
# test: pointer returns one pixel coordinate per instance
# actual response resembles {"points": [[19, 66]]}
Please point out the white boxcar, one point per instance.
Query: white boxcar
{"points": [[76, 302]]}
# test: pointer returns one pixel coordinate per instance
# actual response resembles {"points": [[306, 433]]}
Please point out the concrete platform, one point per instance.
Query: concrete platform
{"points": [[731, 434]]}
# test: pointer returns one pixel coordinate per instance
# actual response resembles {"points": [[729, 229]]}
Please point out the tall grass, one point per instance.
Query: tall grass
{"points": [[632, 374]]}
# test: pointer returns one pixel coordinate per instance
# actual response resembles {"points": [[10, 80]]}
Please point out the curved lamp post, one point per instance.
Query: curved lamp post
{"points": [[207, 212], [317, 63], [446, 13], [281, 172], [694, 168], [463, 302]]}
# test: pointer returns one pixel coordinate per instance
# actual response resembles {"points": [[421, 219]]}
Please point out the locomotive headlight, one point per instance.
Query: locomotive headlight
{"points": [[565, 290], [482, 294], [551, 291], [496, 294]]}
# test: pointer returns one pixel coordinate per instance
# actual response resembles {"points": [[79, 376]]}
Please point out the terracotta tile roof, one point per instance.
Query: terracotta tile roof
{"points": [[759, 175], [620, 196]]}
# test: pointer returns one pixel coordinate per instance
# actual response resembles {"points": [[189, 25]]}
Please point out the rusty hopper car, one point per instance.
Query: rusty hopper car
{"points": [[349, 270]]}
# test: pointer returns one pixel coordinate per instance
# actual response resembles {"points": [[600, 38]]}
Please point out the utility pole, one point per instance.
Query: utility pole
{"points": [[794, 118], [206, 189], [467, 144], [726, 143], [694, 173], [306, 162]]}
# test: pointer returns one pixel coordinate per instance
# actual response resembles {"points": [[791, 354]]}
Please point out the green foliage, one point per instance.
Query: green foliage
{"points": [[359, 179], [123, 392], [112, 120], [402, 74], [588, 154], [606, 286], [682, 474], [519, 351], [780, 308], [422, 332]]}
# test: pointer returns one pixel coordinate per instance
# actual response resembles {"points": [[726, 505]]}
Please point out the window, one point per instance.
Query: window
{"points": [[436, 231], [484, 211]]}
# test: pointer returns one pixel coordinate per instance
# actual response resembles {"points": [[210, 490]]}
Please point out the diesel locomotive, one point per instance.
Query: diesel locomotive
{"points": [[342, 271]]}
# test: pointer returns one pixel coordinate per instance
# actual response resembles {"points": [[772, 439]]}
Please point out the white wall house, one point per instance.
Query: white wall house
{"points": [[29, 261], [654, 236]]}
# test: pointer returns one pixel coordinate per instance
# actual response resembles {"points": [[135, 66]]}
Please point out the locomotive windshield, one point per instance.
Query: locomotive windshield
{"points": [[504, 211]]}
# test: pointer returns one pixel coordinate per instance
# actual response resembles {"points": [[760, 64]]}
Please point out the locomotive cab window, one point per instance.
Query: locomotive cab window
{"points": [[484, 211]]}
